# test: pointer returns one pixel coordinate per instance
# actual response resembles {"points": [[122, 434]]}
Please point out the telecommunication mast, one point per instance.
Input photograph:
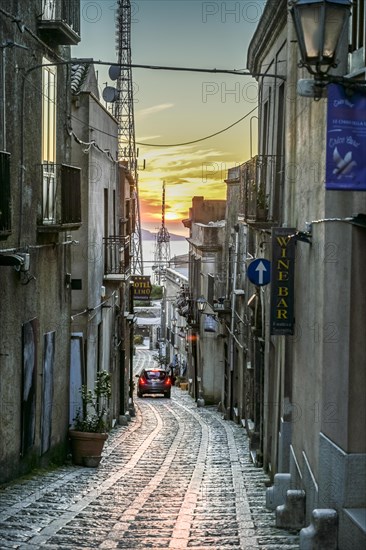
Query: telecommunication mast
{"points": [[162, 246], [124, 113]]}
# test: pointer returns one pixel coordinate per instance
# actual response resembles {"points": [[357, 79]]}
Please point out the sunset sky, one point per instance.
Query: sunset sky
{"points": [[178, 107]]}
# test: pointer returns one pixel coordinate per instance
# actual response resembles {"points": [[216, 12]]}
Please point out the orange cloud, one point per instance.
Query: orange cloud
{"points": [[187, 172]]}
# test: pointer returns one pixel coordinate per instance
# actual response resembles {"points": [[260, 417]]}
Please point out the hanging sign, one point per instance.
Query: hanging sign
{"points": [[346, 140], [209, 324], [282, 281], [141, 287]]}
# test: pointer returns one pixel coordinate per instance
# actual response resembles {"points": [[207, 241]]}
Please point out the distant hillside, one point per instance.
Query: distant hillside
{"points": [[150, 236]]}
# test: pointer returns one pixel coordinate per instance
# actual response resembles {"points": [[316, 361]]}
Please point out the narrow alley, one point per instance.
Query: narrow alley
{"points": [[176, 476]]}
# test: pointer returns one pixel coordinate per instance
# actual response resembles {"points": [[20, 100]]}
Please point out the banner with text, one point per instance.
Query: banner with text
{"points": [[282, 281], [346, 140]]}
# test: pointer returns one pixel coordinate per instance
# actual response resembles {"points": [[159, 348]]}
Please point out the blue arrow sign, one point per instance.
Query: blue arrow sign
{"points": [[259, 272]]}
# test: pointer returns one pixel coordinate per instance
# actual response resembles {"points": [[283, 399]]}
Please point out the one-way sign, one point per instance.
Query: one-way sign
{"points": [[259, 272]]}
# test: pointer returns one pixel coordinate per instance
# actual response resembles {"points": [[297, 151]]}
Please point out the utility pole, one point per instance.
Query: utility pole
{"points": [[124, 113]]}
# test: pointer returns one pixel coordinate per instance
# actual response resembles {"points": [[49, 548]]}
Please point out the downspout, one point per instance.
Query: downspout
{"points": [[3, 46], [122, 351], [3, 57], [232, 322]]}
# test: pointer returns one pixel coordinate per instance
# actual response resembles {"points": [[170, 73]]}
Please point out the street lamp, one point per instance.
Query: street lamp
{"points": [[201, 303], [319, 26]]}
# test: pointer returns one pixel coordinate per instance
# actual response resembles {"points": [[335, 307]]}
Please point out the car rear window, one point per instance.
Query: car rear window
{"points": [[155, 375]]}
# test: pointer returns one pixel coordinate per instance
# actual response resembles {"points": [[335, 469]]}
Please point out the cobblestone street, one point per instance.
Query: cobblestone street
{"points": [[176, 476]]}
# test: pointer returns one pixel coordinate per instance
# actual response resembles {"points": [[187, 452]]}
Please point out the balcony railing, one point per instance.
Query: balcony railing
{"points": [[257, 177], [116, 256], [61, 198], [5, 198], [60, 21]]}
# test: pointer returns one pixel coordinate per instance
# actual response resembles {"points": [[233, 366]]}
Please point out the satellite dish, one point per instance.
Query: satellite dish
{"points": [[110, 94], [114, 72]]}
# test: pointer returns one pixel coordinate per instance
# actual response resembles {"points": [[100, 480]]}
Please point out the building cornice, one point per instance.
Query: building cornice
{"points": [[273, 19]]}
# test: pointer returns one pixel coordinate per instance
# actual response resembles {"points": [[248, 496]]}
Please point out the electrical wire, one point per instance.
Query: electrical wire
{"points": [[200, 139], [191, 142]]}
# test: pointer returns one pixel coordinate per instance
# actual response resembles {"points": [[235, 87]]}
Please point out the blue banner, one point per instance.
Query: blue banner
{"points": [[346, 140]]}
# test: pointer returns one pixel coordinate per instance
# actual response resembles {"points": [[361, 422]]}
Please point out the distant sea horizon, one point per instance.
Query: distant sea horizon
{"points": [[148, 235], [178, 247]]}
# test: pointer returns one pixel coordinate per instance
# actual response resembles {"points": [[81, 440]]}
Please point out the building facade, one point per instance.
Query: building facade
{"points": [[100, 278], [205, 370], [40, 208], [297, 359]]}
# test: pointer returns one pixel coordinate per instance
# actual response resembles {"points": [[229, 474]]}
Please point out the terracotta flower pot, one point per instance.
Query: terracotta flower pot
{"points": [[86, 444]]}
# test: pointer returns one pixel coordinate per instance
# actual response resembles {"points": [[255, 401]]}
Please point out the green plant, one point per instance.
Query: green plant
{"points": [[262, 198], [92, 415], [161, 359], [156, 292]]}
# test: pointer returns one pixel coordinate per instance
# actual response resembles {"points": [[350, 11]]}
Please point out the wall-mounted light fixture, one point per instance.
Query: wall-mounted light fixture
{"points": [[320, 27], [201, 303]]}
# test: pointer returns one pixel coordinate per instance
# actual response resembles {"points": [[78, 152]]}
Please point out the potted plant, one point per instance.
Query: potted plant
{"points": [[88, 433]]}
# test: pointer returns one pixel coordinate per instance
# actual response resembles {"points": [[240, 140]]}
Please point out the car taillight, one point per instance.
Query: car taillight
{"points": [[142, 380], [168, 382]]}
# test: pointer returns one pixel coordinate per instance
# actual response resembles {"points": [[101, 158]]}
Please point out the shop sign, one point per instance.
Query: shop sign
{"points": [[282, 281], [141, 287]]}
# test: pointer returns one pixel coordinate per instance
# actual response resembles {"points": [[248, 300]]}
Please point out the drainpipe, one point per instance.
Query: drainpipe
{"points": [[131, 406], [3, 46], [232, 322], [3, 58], [122, 351]]}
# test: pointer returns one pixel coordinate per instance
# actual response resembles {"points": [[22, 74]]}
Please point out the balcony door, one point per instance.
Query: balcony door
{"points": [[49, 10]]}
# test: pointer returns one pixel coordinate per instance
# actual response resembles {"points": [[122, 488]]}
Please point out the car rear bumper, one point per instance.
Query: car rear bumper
{"points": [[154, 390]]}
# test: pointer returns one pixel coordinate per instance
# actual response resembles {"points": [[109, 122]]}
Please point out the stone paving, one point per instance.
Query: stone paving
{"points": [[176, 476]]}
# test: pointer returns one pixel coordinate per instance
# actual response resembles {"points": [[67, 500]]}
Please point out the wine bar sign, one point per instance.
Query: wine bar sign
{"points": [[282, 283]]}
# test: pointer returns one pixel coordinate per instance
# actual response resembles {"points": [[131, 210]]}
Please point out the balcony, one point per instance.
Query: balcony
{"points": [[117, 261], [61, 203], [258, 177], [59, 22], [5, 198]]}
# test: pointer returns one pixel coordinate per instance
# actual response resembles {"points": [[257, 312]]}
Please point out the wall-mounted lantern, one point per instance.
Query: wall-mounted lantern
{"points": [[201, 303], [320, 26]]}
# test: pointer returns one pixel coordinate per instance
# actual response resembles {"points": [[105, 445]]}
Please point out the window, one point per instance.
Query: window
{"points": [[358, 25], [357, 36], [49, 99], [49, 9]]}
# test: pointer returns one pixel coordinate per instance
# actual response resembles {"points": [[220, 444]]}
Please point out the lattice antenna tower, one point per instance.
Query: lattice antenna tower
{"points": [[162, 246], [124, 113]]}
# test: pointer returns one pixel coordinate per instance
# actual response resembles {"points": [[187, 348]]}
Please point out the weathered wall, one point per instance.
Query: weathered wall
{"points": [[41, 293]]}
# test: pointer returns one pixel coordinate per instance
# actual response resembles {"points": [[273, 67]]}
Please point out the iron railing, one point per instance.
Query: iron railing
{"points": [[67, 11], [117, 259], [60, 21], [257, 181]]}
